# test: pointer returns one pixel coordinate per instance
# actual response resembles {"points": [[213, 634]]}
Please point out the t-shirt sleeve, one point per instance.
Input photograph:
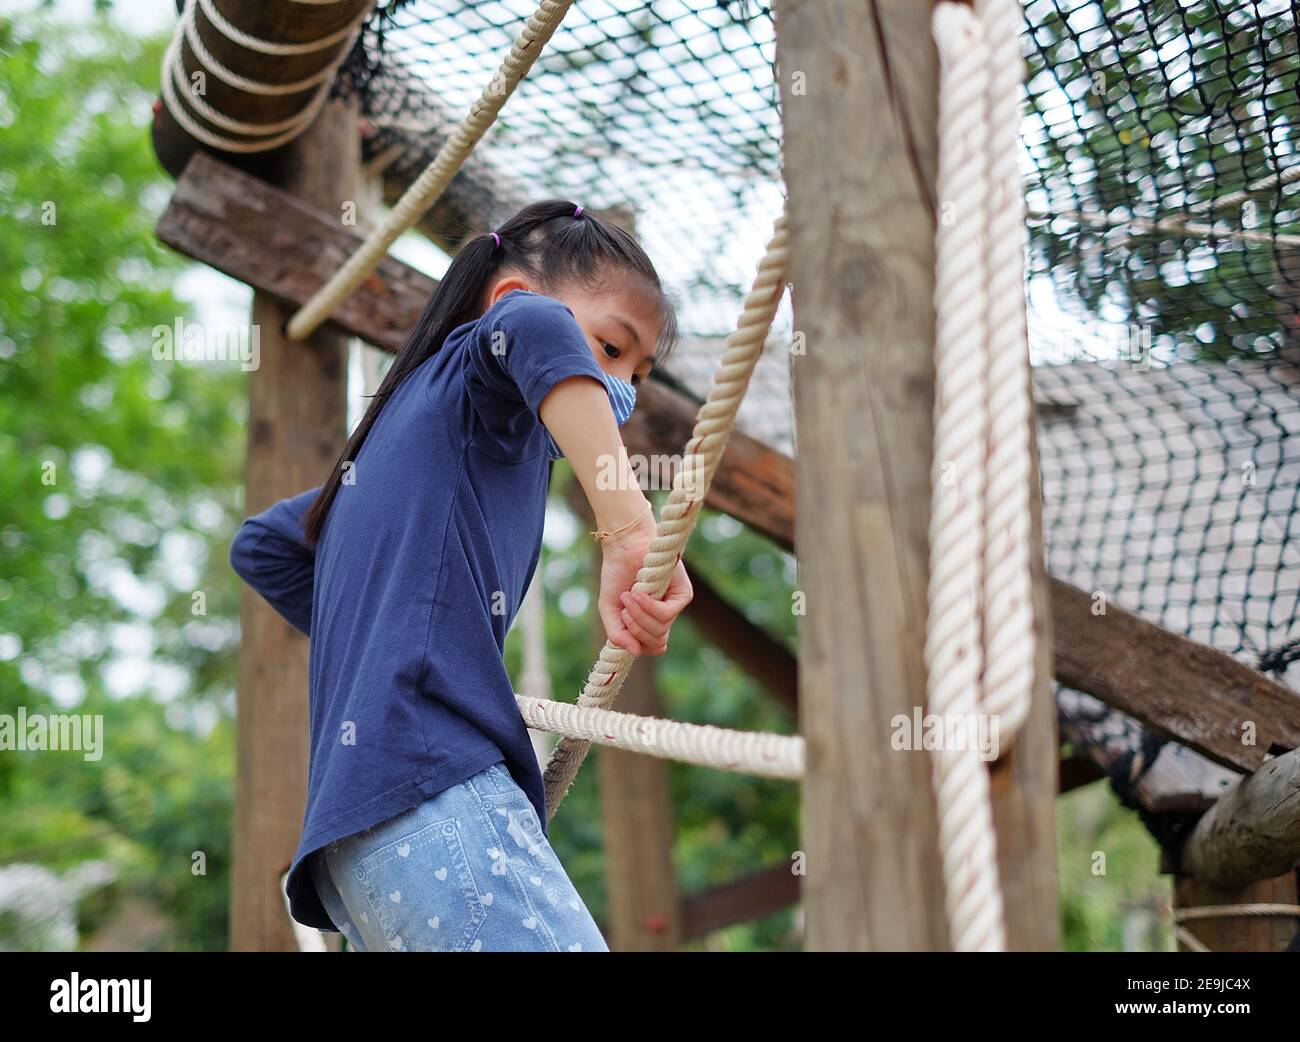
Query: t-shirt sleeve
{"points": [[522, 347], [268, 553]]}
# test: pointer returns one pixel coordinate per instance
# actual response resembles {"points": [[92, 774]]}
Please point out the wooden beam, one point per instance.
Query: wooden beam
{"points": [[274, 21], [296, 428], [860, 155], [742, 900], [1189, 692], [766, 659], [1253, 832], [284, 246]]}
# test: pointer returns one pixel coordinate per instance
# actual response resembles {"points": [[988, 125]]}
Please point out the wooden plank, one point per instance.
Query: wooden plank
{"points": [[1253, 832], [860, 164], [277, 22], [1177, 687], [296, 428], [284, 246]]}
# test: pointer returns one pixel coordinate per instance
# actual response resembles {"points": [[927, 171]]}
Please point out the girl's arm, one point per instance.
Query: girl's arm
{"points": [[269, 554], [578, 415]]}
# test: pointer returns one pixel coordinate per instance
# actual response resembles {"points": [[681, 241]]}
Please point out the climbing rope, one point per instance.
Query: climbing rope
{"points": [[713, 425], [979, 645], [746, 752], [431, 183]]}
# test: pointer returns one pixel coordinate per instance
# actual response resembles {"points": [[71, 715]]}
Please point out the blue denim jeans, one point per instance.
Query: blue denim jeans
{"points": [[466, 870]]}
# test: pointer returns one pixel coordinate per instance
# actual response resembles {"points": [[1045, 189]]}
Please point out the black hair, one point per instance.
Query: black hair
{"points": [[554, 244]]}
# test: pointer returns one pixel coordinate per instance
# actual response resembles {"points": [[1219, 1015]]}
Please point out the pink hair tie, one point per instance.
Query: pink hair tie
{"points": [[578, 211], [497, 237]]}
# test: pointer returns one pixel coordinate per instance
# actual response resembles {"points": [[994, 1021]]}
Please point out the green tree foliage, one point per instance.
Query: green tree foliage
{"points": [[118, 487]]}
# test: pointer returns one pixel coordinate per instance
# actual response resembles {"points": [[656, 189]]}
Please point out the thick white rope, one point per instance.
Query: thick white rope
{"points": [[745, 752], [426, 188], [713, 425], [1009, 645], [268, 135], [953, 648]]}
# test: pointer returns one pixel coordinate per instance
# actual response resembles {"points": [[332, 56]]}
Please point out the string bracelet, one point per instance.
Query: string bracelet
{"points": [[600, 536]]}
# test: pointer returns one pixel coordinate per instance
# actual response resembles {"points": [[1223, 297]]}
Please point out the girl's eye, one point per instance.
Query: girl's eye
{"points": [[610, 349]]}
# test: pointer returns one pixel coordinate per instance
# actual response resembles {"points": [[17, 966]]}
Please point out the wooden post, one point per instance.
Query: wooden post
{"points": [[859, 86], [296, 427], [859, 100]]}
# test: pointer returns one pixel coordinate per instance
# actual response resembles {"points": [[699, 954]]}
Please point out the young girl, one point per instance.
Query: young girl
{"points": [[425, 826]]}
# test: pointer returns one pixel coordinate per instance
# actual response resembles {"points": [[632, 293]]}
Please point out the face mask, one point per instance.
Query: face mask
{"points": [[622, 396]]}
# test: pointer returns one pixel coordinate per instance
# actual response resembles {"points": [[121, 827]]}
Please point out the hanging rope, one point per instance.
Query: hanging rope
{"points": [[953, 649], [426, 188], [979, 646], [1009, 646], [713, 425]]}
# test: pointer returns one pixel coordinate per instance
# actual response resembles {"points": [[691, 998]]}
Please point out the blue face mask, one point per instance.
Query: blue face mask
{"points": [[622, 396]]}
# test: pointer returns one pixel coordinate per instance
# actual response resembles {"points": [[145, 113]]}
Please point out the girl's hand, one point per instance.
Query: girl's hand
{"points": [[632, 619]]}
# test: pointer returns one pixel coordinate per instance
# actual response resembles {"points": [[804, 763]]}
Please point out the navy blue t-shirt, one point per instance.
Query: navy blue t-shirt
{"points": [[425, 556]]}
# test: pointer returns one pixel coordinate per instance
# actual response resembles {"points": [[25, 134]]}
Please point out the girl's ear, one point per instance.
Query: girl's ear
{"points": [[504, 285]]}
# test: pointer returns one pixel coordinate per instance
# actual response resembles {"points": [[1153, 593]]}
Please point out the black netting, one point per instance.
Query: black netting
{"points": [[1160, 181]]}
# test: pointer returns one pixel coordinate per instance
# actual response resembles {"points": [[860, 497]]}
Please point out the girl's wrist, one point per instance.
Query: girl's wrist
{"points": [[616, 510], [641, 521]]}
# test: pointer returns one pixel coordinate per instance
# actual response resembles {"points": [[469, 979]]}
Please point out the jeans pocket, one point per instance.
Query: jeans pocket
{"points": [[422, 891]]}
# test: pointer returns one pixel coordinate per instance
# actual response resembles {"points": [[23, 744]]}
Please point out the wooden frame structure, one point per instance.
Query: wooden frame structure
{"points": [[860, 172]]}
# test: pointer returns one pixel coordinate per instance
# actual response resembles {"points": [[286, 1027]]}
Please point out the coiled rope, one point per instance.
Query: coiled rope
{"points": [[267, 135]]}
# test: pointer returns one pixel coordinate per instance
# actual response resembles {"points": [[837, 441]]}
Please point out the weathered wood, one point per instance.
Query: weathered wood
{"points": [[740, 900], [1238, 933], [275, 21], [296, 428], [860, 154], [767, 660], [282, 245], [1253, 832], [1177, 687]]}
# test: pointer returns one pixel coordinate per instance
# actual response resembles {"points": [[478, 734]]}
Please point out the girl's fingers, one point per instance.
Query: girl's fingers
{"points": [[644, 614], [650, 644], [638, 630], [617, 632]]}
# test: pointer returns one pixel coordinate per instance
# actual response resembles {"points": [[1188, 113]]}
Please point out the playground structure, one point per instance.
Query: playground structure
{"points": [[902, 183]]}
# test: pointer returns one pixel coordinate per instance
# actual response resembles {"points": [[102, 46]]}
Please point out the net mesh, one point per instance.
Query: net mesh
{"points": [[1160, 174]]}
